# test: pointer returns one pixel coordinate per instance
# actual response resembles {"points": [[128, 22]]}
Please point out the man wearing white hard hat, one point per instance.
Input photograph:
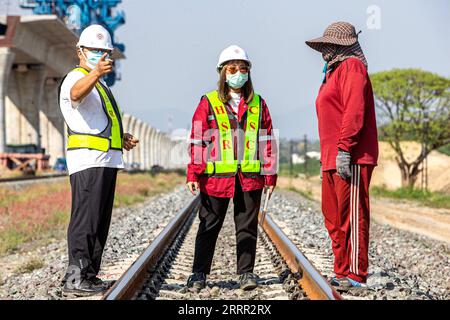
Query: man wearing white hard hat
{"points": [[231, 158], [94, 155]]}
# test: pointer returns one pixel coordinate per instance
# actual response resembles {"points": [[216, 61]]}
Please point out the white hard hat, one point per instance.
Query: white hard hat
{"points": [[95, 36], [232, 53]]}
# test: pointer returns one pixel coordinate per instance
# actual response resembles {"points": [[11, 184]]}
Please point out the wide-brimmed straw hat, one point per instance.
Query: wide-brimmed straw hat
{"points": [[341, 33]]}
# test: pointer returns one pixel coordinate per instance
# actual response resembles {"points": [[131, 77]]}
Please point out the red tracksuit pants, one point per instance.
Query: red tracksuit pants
{"points": [[345, 206]]}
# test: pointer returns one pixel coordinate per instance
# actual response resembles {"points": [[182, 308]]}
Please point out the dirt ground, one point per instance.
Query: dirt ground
{"points": [[387, 173], [406, 215]]}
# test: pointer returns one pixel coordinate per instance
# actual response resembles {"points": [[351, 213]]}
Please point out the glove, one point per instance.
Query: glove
{"points": [[343, 164]]}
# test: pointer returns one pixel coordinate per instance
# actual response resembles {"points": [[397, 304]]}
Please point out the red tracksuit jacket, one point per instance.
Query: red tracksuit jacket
{"points": [[346, 114], [224, 187]]}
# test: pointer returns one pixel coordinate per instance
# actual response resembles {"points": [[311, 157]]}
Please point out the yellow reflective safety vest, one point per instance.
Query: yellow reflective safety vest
{"points": [[112, 136], [227, 163]]}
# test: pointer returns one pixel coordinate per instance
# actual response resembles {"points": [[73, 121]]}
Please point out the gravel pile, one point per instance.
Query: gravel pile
{"points": [[131, 230], [403, 265]]}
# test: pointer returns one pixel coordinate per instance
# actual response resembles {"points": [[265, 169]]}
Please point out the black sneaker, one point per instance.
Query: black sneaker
{"points": [[248, 281], [84, 288], [99, 282], [197, 281]]}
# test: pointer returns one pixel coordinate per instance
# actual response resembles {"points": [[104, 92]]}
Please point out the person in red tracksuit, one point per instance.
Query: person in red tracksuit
{"points": [[349, 150], [244, 111]]}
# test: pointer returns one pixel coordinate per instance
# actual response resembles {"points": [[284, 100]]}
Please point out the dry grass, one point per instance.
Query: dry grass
{"points": [[425, 198], [38, 211], [136, 188]]}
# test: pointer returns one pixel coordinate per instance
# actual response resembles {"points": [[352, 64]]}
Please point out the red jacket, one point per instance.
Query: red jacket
{"points": [[346, 114], [224, 186]]}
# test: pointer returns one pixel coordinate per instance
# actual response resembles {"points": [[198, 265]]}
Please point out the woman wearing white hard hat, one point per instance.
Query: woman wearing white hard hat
{"points": [[94, 155], [231, 158]]}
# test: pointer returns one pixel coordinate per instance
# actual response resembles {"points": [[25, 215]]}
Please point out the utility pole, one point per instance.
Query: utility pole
{"points": [[425, 161], [306, 156], [291, 152], [424, 171]]}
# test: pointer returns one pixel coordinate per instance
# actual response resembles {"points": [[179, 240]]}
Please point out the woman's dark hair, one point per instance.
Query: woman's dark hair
{"points": [[224, 89]]}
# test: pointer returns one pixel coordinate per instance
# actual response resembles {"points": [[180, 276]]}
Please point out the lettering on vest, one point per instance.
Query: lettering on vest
{"points": [[226, 144], [219, 109], [225, 125], [225, 137], [251, 109]]}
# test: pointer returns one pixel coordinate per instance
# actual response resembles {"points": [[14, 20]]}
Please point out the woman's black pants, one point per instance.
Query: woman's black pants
{"points": [[212, 214]]}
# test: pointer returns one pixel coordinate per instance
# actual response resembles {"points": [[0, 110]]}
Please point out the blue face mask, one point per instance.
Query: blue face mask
{"points": [[325, 69], [93, 57], [237, 80]]}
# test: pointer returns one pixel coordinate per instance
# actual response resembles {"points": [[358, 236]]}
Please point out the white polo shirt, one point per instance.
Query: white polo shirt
{"points": [[86, 117]]}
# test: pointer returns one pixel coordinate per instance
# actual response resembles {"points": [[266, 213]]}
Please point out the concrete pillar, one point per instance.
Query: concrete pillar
{"points": [[155, 148], [147, 147], [158, 148], [126, 129], [131, 157], [143, 145], [52, 122], [167, 152], [6, 60], [169, 149], [24, 98], [152, 147], [137, 150], [163, 151]]}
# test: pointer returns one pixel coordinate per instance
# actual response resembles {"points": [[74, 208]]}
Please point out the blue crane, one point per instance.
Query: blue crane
{"points": [[79, 14]]}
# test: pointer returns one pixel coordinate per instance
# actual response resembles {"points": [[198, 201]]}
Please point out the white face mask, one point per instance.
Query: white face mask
{"points": [[93, 57]]}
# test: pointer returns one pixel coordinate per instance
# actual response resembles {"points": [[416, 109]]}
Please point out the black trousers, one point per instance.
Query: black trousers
{"points": [[92, 204], [212, 214]]}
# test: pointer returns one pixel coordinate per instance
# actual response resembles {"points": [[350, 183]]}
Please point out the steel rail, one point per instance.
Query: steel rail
{"points": [[32, 178], [59, 175], [134, 278], [315, 286]]}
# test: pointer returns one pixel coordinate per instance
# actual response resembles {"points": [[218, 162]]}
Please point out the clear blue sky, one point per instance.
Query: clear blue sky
{"points": [[173, 46]]}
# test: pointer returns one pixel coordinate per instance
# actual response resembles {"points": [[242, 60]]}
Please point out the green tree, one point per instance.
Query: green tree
{"points": [[412, 104]]}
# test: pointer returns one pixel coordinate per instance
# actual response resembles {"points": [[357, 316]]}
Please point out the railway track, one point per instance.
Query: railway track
{"points": [[31, 179], [161, 271]]}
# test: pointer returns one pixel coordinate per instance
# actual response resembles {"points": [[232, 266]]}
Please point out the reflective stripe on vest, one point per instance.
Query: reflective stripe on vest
{"points": [[227, 163], [111, 137]]}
